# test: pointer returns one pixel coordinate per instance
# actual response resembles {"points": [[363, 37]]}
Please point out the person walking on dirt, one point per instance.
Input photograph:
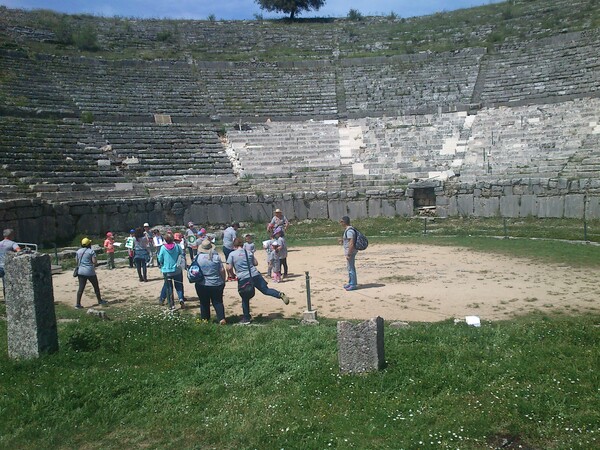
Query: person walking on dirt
{"points": [[86, 271]]}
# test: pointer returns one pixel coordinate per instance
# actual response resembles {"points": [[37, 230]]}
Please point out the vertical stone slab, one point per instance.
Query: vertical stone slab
{"points": [[318, 209], [592, 208], [404, 208], [357, 209], [486, 206], [360, 346], [528, 206], [465, 205], [31, 320], [337, 209], [374, 207], [510, 205], [551, 207], [574, 206]]}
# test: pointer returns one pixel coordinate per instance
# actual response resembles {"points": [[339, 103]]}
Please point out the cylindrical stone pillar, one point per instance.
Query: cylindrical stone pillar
{"points": [[31, 319]]}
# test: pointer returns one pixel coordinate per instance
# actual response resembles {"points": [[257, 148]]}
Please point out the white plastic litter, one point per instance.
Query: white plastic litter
{"points": [[473, 321]]}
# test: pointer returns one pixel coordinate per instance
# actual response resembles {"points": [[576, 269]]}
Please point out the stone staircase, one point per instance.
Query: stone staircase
{"points": [[289, 154]]}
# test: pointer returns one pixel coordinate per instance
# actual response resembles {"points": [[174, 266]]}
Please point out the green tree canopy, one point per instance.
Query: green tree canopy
{"points": [[291, 7]]}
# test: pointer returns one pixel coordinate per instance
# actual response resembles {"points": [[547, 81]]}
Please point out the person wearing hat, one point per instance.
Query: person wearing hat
{"points": [[109, 248], [279, 220], [86, 263], [212, 287]]}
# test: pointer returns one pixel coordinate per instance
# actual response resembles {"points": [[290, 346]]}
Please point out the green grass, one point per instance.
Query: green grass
{"points": [[483, 26], [161, 381]]}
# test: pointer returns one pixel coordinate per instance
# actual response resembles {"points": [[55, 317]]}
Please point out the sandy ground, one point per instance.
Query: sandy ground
{"points": [[396, 282]]}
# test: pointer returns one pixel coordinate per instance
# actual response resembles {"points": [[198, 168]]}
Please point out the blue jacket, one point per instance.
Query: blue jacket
{"points": [[168, 259]]}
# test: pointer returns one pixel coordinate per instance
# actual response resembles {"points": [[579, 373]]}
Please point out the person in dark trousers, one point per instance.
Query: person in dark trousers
{"points": [[86, 263]]}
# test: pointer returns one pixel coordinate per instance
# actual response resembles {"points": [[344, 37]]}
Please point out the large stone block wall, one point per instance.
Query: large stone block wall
{"points": [[41, 222]]}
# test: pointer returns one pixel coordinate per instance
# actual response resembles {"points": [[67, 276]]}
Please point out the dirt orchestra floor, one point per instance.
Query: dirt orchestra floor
{"points": [[396, 282]]}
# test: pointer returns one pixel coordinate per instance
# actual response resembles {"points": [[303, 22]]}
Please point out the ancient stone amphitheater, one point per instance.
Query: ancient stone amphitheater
{"points": [[223, 130]]}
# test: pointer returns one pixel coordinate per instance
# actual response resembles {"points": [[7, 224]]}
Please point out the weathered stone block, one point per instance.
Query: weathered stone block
{"points": [[486, 206], [31, 320], [317, 209], [592, 208], [357, 209], [337, 209], [360, 346], [510, 206], [551, 206], [404, 208], [464, 204], [528, 206], [574, 206]]}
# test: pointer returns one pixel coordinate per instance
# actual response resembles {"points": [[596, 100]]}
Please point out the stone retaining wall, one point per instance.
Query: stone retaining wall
{"points": [[41, 222]]}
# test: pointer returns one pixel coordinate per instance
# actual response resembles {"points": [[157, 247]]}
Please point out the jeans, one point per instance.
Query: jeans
{"points": [[206, 294], [260, 284], [226, 252], [170, 278], [142, 271], [351, 265], [82, 281]]}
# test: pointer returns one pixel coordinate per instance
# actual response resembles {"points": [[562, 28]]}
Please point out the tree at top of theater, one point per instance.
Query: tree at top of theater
{"points": [[291, 7]]}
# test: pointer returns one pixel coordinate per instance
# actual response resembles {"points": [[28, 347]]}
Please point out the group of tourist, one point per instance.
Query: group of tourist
{"points": [[169, 251], [145, 246]]}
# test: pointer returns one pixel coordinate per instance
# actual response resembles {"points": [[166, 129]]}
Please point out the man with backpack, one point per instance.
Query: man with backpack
{"points": [[348, 240]]}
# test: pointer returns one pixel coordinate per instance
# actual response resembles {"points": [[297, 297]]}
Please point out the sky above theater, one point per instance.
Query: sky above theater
{"points": [[238, 9]]}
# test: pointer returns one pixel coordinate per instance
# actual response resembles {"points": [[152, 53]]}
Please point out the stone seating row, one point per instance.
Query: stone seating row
{"points": [[23, 86], [543, 69]]}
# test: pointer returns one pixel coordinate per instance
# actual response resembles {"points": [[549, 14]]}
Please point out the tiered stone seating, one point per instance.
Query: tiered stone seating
{"points": [[44, 152], [129, 87], [277, 90], [413, 83], [543, 71], [544, 141], [25, 88], [417, 146], [151, 153], [277, 155]]}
